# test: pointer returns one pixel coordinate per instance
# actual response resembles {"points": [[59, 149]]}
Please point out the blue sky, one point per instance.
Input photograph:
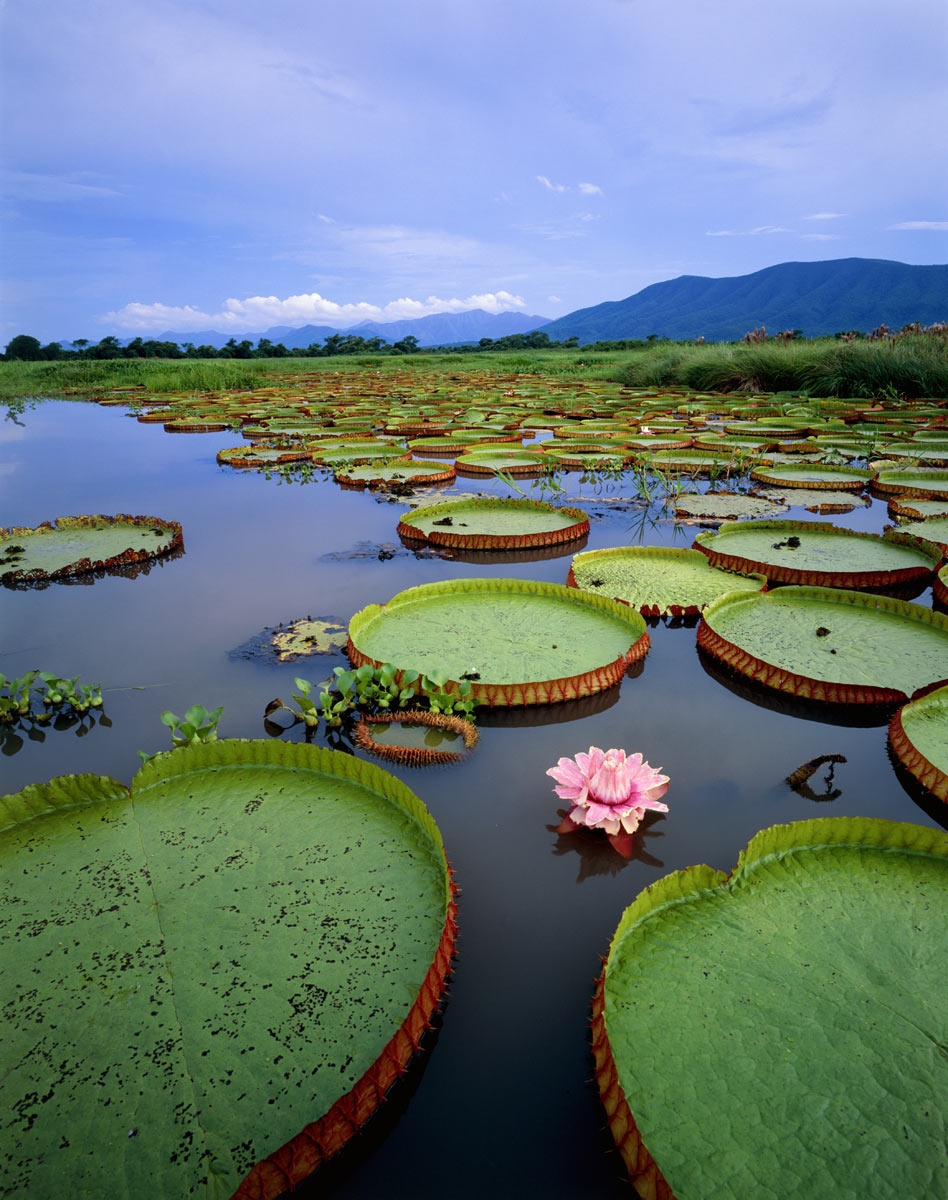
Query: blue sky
{"points": [[230, 165]]}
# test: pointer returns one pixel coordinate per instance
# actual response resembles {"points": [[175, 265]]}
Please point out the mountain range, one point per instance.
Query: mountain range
{"points": [[818, 298]]}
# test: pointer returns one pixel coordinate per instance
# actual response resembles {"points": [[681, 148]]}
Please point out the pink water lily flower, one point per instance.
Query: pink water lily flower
{"points": [[608, 791]]}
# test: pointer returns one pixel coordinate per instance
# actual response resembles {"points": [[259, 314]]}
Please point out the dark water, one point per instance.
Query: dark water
{"points": [[503, 1104]]}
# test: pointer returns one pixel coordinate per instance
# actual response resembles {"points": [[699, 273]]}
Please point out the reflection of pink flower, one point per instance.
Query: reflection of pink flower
{"points": [[608, 791]]}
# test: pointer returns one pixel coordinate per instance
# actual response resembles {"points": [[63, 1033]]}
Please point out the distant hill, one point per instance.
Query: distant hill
{"points": [[817, 297], [440, 329]]}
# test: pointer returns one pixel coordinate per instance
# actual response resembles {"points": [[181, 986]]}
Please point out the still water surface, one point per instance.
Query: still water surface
{"points": [[504, 1104]]}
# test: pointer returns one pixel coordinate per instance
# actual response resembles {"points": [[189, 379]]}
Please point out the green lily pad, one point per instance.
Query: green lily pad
{"points": [[814, 552], [724, 506], [182, 964], [494, 524], [827, 644], [656, 580], [781, 1031], [920, 510], [931, 485], [918, 734], [511, 462], [243, 457], [519, 641], [377, 474], [817, 501], [79, 545], [814, 476], [931, 529]]}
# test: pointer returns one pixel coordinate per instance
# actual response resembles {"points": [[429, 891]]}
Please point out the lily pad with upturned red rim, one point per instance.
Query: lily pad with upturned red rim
{"points": [[529, 642], [494, 523], [728, 1003], [84, 544], [918, 734], [657, 580], [225, 918], [818, 554], [827, 644]]}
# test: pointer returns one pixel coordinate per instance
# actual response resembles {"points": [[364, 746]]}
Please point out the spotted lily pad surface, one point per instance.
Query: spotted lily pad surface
{"points": [[79, 545], [780, 1031], [814, 552], [822, 500], [657, 580], [827, 644], [919, 736], [183, 964], [518, 641], [725, 506], [495, 524]]}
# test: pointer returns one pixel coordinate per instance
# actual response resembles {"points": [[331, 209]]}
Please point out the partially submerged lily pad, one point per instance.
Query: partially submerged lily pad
{"points": [[495, 523], [297, 639], [417, 738], [823, 555], [657, 580], [779, 1031], [724, 506], [918, 735], [525, 641], [83, 544], [183, 961], [826, 644], [817, 501]]}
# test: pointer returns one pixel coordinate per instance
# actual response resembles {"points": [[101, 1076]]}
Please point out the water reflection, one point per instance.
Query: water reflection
{"points": [[597, 855], [533, 716]]}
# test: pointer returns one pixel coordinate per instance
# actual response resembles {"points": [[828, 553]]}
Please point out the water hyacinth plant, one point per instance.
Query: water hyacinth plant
{"points": [[609, 791]]}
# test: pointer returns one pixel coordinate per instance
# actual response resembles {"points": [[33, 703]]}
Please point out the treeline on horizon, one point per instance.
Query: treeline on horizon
{"points": [[24, 348]]}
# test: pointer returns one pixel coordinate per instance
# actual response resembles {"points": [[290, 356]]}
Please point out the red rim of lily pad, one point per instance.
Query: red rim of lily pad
{"points": [[912, 484], [415, 756], [579, 526], [751, 666], [84, 566], [940, 586], [916, 576], [931, 777], [905, 508], [247, 457]]}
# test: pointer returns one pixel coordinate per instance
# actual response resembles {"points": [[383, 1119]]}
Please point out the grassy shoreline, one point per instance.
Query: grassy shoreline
{"points": [[909, 367]]}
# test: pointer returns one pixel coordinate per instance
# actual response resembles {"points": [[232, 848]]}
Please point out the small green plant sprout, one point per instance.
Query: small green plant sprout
{"points": [[308, 711], [197, 725], [79, 697], [15, 696], [442, 701]]}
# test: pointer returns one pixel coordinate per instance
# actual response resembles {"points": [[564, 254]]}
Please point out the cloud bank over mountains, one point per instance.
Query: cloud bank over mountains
{"points": [[255, 312]]}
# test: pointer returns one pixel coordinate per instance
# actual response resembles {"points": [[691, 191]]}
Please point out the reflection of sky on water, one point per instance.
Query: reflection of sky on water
{"points": [[534, 920]]}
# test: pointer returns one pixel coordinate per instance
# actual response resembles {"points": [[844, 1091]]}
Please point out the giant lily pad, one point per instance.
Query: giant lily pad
{"points": [[657, 580], [814, 477], [930, 485], [513, 462], [183, 963], [382, 473], [79, 545], [494, 524], [918, 734], [814, 552], [781, 1031], [517, 641], [827, 644], [724, 506]]}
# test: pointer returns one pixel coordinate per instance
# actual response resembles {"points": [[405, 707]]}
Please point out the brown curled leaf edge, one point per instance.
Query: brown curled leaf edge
{"points": [[415, 756], [83, 566]]}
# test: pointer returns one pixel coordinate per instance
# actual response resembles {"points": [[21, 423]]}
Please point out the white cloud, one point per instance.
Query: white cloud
{"points": [[590, 189], [939, 225], [819, 237], [824, 216], [755, 232], [259, 312], [326, 220], [29, 185], [551, 187], [554, 299]]}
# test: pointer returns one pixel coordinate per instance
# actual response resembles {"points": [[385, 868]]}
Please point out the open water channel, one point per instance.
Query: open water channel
{"points": [[503, 1104]]}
